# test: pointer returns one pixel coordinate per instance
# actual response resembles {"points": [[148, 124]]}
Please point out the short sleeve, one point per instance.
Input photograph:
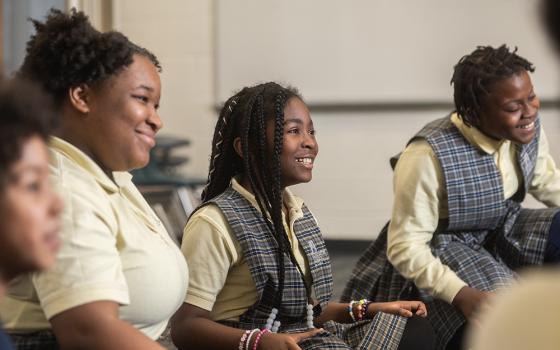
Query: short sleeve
{"points": [[88, 266], [210, 253]]}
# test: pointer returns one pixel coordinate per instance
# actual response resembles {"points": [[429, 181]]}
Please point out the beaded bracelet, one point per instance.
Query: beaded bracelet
{"points": [[248, 340], [351, 311], [243, 338], [361, 309], [258, 338], [366, 306]]}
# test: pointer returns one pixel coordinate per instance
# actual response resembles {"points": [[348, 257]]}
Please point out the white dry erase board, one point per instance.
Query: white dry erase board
{"points": [[371, 51]]}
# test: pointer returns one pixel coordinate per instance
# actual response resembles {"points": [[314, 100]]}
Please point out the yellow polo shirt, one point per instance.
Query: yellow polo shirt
{"points": [[220, 280], [421, 201], [114, 248]]}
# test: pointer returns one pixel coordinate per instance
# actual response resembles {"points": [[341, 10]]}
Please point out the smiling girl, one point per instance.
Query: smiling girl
{"points": [[260, 272], [118, 277], [458, 230]]}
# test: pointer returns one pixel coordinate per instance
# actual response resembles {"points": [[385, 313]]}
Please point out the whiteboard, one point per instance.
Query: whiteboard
{"points": [[377, 51]]}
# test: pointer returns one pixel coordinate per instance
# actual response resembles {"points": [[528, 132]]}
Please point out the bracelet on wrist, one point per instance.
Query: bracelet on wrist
{"points": [[258, 338]]}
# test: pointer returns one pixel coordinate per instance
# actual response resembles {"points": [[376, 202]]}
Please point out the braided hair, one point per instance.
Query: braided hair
{"points": [[245, 115], [67, 51], [476, 73]]}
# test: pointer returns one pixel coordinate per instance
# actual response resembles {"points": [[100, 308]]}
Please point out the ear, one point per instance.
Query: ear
{"points": [[238, 147], [79, 97]]}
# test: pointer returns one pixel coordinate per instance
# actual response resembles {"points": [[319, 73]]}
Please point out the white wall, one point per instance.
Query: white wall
{"points": [[351, 193]]}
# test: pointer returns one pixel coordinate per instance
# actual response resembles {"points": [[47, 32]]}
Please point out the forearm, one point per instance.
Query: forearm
{"points": [[97, 326], [202, 333], [116, 335], [337, 312]]}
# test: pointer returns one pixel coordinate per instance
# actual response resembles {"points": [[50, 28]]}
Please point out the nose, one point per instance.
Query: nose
{"points": [[309, 141], [155, 121], [56, 204], [530, 108]]}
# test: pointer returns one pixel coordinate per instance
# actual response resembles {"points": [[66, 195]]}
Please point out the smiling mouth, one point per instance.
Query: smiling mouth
{"points": [[150, 140], [529, 126], [305, 160]]}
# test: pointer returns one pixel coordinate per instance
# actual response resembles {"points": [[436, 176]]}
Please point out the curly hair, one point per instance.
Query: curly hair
{"points": [[25, 111], [244, 115], [67, 51], [476, 73]]}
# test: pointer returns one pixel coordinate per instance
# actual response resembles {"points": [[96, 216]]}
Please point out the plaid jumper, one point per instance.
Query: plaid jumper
{"points": [[260, 252], [484, 239]]}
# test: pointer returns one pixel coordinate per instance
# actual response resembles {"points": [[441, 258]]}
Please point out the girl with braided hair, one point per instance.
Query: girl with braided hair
{"points": [[458, 231], [118, 277], [259, 270]]}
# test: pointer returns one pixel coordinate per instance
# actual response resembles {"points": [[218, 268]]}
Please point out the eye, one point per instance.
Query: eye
{"points": [[513, 108], [293, 131], [312, 132], [532, 97], [142, 98], [34, 186]]}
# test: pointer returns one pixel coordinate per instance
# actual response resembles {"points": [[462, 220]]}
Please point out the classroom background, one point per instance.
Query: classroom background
{"points": [[372, 71]]}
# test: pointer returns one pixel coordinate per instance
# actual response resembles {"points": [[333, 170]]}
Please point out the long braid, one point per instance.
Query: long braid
{"points": [[244, 116], [223, 135], [276, 187]]}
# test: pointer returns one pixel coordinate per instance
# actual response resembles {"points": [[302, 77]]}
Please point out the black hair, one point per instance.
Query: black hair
{"points": [[245, 115], [67, 51], [550, 11], [476, 73], [25, 111]]}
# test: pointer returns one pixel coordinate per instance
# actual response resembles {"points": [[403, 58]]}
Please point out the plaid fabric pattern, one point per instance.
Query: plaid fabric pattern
{"points": [[473, 182], [41, 340], [484, 240], [259, 250]]}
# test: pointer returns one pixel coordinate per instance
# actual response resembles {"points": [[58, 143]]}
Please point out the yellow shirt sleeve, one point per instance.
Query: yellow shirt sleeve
{"points": [[545, 186], [210, 253], [418, 197], [88, 266]]}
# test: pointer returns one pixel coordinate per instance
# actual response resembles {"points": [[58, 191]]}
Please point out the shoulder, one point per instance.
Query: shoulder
{"points": [[208, 226]]}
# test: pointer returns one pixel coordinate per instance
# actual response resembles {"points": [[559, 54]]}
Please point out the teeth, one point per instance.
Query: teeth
{"points": [[304, 160], [528, 126]]}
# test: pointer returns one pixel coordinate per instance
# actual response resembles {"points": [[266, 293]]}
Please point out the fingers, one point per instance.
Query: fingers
{"points": [[421, 309], [297, 337], [405, 312]]}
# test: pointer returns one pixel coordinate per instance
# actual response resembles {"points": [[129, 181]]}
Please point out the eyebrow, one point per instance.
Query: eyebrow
{"points": [[145, 87], [293, 120]]}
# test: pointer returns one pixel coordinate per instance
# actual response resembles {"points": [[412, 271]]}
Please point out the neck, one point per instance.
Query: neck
{"points": [[244, 181], [74, 135]]}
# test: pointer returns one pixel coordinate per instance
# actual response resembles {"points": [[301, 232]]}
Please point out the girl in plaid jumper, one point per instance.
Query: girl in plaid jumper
{"points": [[260, 272], [458, 231]]}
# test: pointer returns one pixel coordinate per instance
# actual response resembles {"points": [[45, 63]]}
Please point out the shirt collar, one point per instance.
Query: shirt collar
{"points": [[73, 153], [476, 138], [292, 202]]}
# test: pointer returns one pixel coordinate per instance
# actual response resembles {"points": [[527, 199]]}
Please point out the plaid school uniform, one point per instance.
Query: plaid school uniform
{"points": [[484, 239], [260, 252]]}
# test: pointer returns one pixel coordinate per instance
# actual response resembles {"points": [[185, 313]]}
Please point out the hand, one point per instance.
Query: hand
{"points": [[284, 341], [404, 308], [469, 300]]}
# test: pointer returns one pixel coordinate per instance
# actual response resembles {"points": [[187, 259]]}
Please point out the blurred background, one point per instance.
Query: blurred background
{"points": [[372, 71]]}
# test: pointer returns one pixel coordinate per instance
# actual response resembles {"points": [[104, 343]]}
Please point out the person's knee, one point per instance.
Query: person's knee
{"points": [[552, 252], [418, 334]]}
